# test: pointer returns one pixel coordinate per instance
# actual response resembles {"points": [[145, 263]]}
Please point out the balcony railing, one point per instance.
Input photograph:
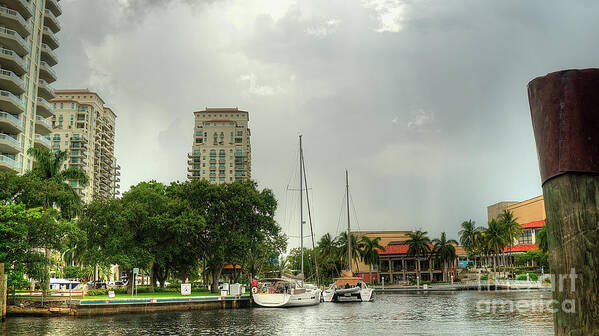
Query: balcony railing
{"points": [[15, 14], [48, 68], [12, 97], [13, 34], [46, 86], [43, 139], [44, 103], [44, 122], [52, 17], [14, 56], [10, 139], [46, 48], [11, 162], [13, 76], [11, 118]]}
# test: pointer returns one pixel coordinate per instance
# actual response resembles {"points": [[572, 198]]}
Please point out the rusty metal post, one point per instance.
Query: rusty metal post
{"points": [[564, 108]]}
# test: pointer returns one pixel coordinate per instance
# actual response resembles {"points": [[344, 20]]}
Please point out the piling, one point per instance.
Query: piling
{"points": [[564, 108]]}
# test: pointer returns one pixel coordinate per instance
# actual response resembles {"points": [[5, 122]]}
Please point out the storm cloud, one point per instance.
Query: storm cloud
{"points": [[424, 102]]}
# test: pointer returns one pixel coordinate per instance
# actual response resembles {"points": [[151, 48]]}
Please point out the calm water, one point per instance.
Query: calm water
{"points": [[392, 314]]}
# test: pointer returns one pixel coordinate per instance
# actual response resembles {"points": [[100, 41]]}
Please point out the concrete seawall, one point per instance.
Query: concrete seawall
{"points": [[92, 307]]}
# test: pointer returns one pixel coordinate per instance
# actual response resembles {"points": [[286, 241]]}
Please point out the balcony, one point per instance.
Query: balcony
{"points": [[42, 142], [13, 20], [10, 123], [51, 21], [46, 72], [48, 55], [53, 6], [10, 60], [192, 169], [6, 163], [13, 41], [50, 39], [8, 144], [45, 90], [44, 108], [22, 6], [42, 126], [10, 103], [10, 81], [191, 156]]}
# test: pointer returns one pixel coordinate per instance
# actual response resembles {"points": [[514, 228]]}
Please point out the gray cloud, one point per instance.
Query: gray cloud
{"points": [[430, 116]]}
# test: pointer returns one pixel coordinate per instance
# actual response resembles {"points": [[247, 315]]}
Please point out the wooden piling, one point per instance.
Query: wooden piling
{"points": [[565, 115]]}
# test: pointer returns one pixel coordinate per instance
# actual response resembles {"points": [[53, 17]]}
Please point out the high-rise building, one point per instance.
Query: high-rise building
{"points": [[27, 44], [84, 126], [221, 150]]}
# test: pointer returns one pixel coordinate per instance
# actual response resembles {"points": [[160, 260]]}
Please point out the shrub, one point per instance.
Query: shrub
{"points": [[531, 276], [484, 277]]}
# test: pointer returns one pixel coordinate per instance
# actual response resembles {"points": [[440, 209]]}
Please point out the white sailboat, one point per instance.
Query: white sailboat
{"points": [[288, 290], [348, 288]]}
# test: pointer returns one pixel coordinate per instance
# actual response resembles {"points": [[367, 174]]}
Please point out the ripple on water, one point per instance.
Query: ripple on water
{"points": [[408, 314]]}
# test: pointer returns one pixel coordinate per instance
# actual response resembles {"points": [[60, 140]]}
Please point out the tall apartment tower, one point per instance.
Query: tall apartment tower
{"points": [[221, 150], [27, 44], [84, 126]]}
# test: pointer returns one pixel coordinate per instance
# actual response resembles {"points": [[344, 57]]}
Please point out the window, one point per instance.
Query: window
{"points": [[196, 152], [221, 179], [239, 133], [526, 237]]}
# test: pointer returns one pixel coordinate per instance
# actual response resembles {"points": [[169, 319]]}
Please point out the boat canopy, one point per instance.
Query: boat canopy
{"points": [[347, 278]]}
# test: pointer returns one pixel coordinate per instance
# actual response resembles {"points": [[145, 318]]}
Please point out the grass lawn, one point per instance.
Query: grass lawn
{"points": [[152, 295]]}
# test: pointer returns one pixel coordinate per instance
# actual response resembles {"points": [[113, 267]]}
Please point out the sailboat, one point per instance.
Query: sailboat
{"points": [[289, 290], [348, 288]]}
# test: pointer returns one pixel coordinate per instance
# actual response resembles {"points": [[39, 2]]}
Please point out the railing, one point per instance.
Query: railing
{"points": [[44, 103], [13, 76], [14, 34], [55, 3], [11, 118], [48, 68], [48, 13], [14, 55], [10, 139], [44, 122], [15, 14], [11, 162], [50, 293], [12, 97], [46, 85], [43, 139], [49, 50]]}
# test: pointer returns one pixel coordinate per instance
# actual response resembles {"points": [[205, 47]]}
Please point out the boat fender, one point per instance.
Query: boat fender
{"points": [[254, 290]]}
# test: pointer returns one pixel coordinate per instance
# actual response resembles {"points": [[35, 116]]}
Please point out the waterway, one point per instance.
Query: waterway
{"points": [[459, 313]]}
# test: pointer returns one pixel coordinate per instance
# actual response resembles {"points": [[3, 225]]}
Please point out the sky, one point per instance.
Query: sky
{"points": [[423, 102]]}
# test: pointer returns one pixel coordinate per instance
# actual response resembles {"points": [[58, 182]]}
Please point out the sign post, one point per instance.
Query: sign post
{"points": [[185, 289], [134, 288]]}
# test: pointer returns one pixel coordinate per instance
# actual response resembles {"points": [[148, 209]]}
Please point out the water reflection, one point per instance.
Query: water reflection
{"points": [[411, 314]]}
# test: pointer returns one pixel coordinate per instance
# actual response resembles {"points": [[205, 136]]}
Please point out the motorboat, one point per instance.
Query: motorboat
{"points": [[348, 288]]}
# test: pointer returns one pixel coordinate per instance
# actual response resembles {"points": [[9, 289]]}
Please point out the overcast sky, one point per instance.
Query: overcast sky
{"points": [[423, 101]]}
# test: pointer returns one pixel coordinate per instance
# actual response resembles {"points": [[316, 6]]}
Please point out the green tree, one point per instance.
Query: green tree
{"points": [[418, 246], [495, 240], [511, 227], [444, 251], [470, 235], [370, 252], [356, 251]]}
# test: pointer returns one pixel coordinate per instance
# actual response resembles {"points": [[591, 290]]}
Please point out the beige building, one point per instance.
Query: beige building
{"points": [[221, 150], [84, 126], [27, 43], [530, 214]]}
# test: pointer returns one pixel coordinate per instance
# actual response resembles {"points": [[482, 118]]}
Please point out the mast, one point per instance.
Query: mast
{"points": [[348, 225], [301, 203], [311, 227]]}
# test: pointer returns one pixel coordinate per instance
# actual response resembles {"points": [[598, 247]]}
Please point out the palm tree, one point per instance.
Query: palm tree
{"points": [[341, 241], [444, 251], [495, 239], [48, 167], [419, 246], [370, 254], [470, 235], [511, 227]]}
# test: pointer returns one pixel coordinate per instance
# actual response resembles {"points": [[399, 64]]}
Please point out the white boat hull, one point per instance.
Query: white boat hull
{"points": [[308, 298], [348, 295]]}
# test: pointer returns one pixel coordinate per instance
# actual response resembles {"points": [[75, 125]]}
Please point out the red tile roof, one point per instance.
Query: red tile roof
{"points": [[522, 248], [398, 249], [533, 225]]}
